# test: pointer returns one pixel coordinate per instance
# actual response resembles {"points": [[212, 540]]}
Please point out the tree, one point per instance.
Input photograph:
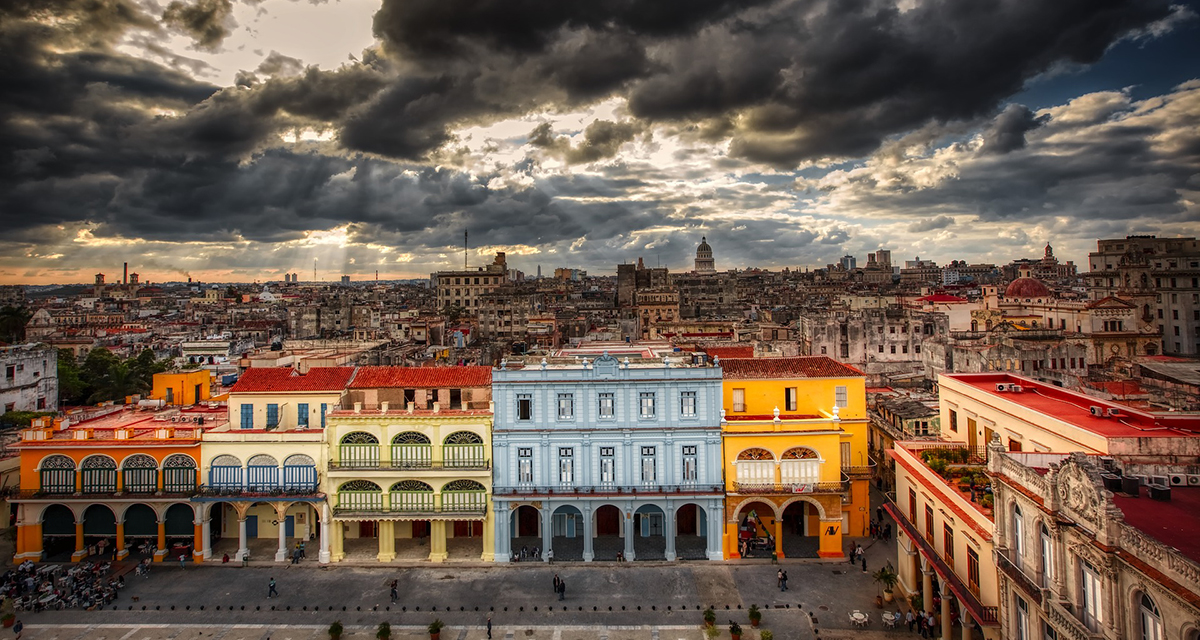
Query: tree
{"points": [[453, 312], [71, 387], [120, 381], [12, 323], [145, 365], [97, 365]]}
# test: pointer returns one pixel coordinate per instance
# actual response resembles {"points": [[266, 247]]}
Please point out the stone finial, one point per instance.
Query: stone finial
{"points": [[585, 362], [543, 364], [722, 415], [504, 364], [626, 363], [776, 414], [836, 411], [716, 361], [666, 361]]}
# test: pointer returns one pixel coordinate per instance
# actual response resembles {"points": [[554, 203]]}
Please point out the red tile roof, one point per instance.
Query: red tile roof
{"points": [[786, 368], [941, 297], [729, 352], [276, 379], [421, 377]]}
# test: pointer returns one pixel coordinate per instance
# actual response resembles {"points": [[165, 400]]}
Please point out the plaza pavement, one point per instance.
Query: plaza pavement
{"points": [[604, 601]]}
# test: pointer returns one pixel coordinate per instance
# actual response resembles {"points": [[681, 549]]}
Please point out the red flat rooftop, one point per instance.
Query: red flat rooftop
{"points": [[1075, 408], [1173, 522]]}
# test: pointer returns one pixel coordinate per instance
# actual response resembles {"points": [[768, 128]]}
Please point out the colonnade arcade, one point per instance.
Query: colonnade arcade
{"points": [[69, 530], [599, 530]]}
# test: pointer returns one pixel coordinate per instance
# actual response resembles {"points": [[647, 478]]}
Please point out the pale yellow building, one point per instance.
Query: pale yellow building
{"points": [[409, 465]]}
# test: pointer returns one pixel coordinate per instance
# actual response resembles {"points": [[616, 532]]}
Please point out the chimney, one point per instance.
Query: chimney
{"points": [[357, 407], [383, 406]]}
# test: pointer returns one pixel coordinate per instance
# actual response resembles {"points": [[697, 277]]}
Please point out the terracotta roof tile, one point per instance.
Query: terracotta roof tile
{"points": [[786, 368], [287, 379], [421, 377], [729, 352]]}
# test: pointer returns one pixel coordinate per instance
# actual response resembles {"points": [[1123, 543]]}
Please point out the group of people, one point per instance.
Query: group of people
{"points": [[298, 553], [881, 530], [560, 587], [527, 554], [782, 578], [923, 622], [37, 587]]}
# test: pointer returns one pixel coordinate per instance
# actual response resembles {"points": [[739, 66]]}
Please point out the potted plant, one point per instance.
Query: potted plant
{"points": [[711, 633], [888, 579], [765, 635], [917, 603], [8, 619], [335, 630], [435, 629], [735, 630], [710, 617], [986, 501], [384, 632], [755, 615]]}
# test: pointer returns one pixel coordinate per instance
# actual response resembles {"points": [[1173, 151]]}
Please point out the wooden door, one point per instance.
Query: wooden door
{"points": [[608, 522]]}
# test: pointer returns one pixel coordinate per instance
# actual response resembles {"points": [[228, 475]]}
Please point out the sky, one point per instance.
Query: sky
{"points": [[238, 141]]}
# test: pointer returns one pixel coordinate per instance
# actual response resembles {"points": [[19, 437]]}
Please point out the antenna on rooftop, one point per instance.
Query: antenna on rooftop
{"points": [[314, 269], [464, 250]]}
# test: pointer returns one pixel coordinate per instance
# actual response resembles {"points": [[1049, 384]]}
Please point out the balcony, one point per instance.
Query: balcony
{"points": [[608, 490], [264, 493], [411, 465], [784, 488], [1018, 576], [411, 505], [92, 493]]}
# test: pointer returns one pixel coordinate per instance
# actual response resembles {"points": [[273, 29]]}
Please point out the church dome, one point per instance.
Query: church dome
{"points": [[1027, 288], [703, 250]]}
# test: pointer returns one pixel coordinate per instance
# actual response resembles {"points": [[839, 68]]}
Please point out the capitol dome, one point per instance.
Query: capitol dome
{"points": [[704, 257], [1027, 288]]}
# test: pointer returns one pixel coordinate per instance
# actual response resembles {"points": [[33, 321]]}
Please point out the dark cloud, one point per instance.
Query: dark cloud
{"points": [[1008, 130], [278, 64], [931, 224], [208, 22], [601, 139]]}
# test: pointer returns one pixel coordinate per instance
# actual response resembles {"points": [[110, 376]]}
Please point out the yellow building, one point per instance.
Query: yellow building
{"points": [[797, 475], [409, 472], [185, 388]]}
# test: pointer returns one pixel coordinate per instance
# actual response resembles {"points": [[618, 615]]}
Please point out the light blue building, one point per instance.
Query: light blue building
{"points": [[602, 458]]}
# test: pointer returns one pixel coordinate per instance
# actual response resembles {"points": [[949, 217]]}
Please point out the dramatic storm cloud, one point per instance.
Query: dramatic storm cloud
{"points": [[212, 137]]}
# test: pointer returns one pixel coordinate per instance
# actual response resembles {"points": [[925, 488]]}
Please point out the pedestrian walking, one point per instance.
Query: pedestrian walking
{"points": [[879, 514], [785, 587], [395, 591], [911, 620], [562, 590], [864, 564], [181, 559], [489, 626], [779, 579], [550, 556], [557, 582], [271, 592], [18, 626], [246, 558]]}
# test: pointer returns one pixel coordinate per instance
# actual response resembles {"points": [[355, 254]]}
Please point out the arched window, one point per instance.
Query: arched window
{"points": [[464, 496], [99, 474], [300, 473], [1047, 556], [139, 474], [464, 450], [179, 473], [358, 450], [412, 485], [57, 474], [412, 450], [1152, 627], [1018, 534], [800, 466], [359, 495], [262, 473], [225, 473], [755, 467]]}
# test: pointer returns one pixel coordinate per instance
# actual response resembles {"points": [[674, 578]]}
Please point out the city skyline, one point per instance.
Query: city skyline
{"points": [[239, 142]]}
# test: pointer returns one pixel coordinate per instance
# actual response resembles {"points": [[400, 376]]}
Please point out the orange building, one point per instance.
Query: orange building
{"points": [[112, 476]]}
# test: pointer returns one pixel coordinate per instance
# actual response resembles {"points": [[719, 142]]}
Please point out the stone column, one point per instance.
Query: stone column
{"points": [[779, 538], [386, 531], [437, 541], [831, 543], [243, 544], [206, 533], [714, 520], [489, 537], [947, 623], [281, 553], [121, 552], [927, 590], [670, 531], [630, 554], [502, 519], [162, 541], [198, 541], [337, 541], [80, 547], [589, 550], [326, 534], [966, 622], [546, 514]]}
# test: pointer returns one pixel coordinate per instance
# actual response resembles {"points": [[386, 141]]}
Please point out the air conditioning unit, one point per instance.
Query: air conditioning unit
{"points": [[1096, 411], [1111, 482], [1016, 388], [1113, 412], [1002, 387], [1160, 492], [1193, 479], [1162, 481], [1131, 485], [1178, 479]]}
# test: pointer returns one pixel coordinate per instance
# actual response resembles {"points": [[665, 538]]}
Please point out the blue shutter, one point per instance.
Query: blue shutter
{"points": [[323, 405], [272, 415], [247, 416], [302, 414]]}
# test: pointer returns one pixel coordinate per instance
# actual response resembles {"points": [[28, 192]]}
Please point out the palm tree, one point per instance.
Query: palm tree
{"points": [[120, 381]]}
